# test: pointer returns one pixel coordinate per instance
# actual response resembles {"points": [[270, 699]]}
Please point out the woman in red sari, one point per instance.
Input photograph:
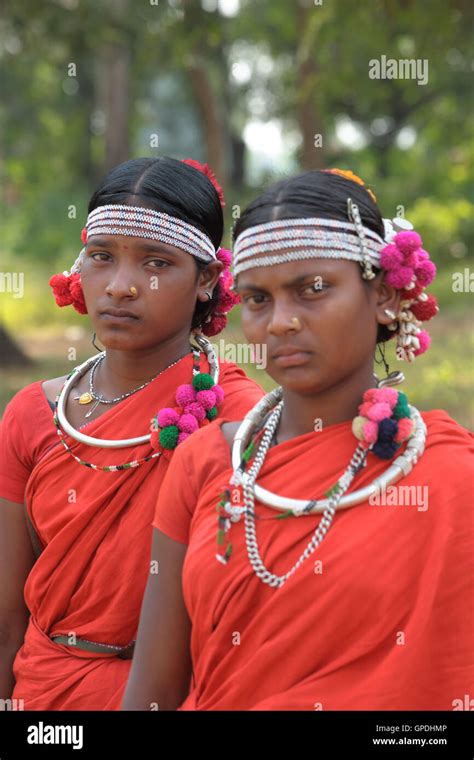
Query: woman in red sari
{"points": [[326, 545], [151, 273]]}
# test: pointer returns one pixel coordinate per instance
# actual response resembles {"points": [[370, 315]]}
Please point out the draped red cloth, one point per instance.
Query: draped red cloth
{"points": [[96, 530], [379, 617]]}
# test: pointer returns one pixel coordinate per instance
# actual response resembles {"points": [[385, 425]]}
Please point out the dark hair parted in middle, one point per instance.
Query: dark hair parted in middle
{"points": [[172, 186], [314, 194]]}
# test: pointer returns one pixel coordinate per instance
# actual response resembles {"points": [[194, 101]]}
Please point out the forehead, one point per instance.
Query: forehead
{"points": [[287, 274]]}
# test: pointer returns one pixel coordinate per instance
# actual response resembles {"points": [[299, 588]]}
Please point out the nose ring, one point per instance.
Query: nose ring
{"points": [[133, 290]]}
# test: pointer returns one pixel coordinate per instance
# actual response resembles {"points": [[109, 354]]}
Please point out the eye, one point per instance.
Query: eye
{"points": [[158, 263], [254, 300], [100, 253], [314, 288]]}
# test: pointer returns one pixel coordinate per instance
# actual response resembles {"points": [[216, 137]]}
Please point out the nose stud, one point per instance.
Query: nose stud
{"points": [[133, 290], [296, 322]]}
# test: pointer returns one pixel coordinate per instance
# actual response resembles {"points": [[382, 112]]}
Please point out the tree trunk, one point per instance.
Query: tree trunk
{"points": [[309, 117], [11, 353]]}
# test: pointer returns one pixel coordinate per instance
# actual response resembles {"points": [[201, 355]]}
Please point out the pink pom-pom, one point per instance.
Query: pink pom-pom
{"points": [[422, 254], [425, 341], [425, 272], [167, 416], [404, 429], [388, 396], [371, 431], [206, 398], [399, 278], [197, 410], [379, 411], [188, 423], [408, 240], [224, 256], [182, 437], [365, 407], [218, 391], [185, 394], [411, 259], [227, 301], [370, 395], [391, 257]]}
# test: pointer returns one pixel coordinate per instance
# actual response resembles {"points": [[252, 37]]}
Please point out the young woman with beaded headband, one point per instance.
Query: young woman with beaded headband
{"points": [[329, 551], [153, 279]]}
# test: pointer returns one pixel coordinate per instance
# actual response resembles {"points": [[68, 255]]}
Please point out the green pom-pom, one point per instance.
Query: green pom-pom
{"points": [[401, 409], [248, 452], [169, 436], [212, 413], [202, 382]]}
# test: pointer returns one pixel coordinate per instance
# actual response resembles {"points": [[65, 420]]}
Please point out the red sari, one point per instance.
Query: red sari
{"points": [[96, 531], [379, 617]]}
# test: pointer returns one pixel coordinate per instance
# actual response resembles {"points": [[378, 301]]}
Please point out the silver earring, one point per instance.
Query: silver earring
{"points": [[208, 294], [390, 313]]}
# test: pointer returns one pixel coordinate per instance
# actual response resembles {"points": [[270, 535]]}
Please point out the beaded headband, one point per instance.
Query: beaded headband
{"points": [[408, 267], [136, 221]]}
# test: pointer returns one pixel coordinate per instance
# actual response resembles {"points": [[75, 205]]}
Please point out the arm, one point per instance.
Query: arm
{"points": [[16, 561], [161, 668]]}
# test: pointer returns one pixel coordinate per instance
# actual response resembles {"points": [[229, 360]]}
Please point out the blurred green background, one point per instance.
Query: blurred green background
{"points": [[259, 89]]}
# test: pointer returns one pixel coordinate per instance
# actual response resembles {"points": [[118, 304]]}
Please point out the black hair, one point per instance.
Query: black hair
{"points": [[314, 193], [178, 189]]}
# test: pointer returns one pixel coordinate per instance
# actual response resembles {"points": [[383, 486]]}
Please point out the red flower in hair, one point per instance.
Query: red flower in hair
{"points": [[206, 169]]}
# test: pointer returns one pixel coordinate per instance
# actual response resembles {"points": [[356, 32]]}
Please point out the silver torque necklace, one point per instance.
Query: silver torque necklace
{"points": [[120, 443]]}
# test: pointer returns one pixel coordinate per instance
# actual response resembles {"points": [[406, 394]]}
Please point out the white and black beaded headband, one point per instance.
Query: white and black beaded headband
{"points": [[284, 240], [136, 221]]}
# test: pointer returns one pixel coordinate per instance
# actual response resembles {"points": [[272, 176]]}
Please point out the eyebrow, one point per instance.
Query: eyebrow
{"points": [[296, 281], [150, 247]]}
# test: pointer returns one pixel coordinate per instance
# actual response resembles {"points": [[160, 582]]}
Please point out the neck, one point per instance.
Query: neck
{"points": [[122, 371], [340, 403]]}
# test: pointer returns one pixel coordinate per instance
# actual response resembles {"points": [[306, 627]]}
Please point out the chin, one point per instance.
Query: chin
{"points": [[297, 379], [116, 341]]}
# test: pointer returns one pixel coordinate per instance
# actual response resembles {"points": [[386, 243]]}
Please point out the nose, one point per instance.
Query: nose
{"points": [[284, 318], [121, 284]]}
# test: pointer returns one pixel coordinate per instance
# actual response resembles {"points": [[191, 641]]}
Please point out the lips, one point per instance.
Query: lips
{"points": [[291, 356], [111, 312], [289, 351]]}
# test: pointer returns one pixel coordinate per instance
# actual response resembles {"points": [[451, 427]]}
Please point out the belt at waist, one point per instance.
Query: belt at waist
{"points": [[125, 653]]}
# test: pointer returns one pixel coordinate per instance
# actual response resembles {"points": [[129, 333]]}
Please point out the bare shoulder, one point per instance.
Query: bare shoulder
{"points": [[52, 387], [229, 429]]}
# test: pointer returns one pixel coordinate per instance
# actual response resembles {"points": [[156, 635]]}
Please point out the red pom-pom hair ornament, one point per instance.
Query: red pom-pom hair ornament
{"points": [[67, 288]]}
